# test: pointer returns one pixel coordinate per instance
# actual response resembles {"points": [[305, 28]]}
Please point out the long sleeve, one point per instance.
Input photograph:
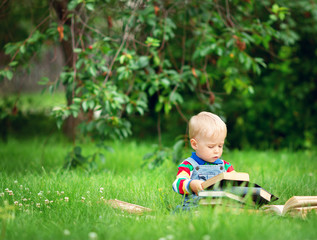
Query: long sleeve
{"points": [[182, 181], [228, 166]]}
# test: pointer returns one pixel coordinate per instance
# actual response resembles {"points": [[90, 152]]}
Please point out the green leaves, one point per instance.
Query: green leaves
{"points": [[152, 42], [279, 12], [125, 54]]}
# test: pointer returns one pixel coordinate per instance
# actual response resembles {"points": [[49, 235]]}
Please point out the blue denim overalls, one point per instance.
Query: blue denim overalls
{"points": [[200, 172]]}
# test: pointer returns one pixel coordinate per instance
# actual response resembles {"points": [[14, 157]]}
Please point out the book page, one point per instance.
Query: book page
{"points": [[275, 208]]}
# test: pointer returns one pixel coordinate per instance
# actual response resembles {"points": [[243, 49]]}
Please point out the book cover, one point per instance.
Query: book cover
{"points": [[235, 178], [126, 206]]}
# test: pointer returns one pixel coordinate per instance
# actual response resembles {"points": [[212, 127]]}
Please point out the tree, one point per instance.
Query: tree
{"points": [[122, 56]]}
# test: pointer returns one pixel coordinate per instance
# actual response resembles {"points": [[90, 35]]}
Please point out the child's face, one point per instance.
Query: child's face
{"points": [[208, 148]]}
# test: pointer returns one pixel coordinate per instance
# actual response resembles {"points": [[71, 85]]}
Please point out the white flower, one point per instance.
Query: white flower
{"points": [[2, 194], [24, 199], [7, 190], [66, 232], [92, 235], [40, 193], [16, 203], [62, 192], [21, 186], [20, 204], [206, 237], [169, 237], [11, 193], [66, 199], [38, 205], [15, 181], [47, 201]]}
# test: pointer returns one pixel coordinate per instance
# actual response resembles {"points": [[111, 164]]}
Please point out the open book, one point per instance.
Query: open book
{"points": [[238, 183], [219, 198], [235, 178], [295, 205]]}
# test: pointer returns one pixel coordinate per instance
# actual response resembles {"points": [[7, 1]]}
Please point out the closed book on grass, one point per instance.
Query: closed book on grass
{"points": [[128, 207], [296, 205]]}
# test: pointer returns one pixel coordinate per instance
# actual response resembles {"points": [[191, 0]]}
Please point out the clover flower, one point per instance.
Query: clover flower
{"points": [[47, 201], [16, 203], [92, 235], [38, 205], [2, 194], [66, 199]]}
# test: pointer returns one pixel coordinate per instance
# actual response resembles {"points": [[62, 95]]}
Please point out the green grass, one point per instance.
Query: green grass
{"points": [[36, 101], [32, 169]]}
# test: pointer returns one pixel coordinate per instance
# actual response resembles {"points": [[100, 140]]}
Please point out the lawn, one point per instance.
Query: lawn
{"points": [[53, 203]]}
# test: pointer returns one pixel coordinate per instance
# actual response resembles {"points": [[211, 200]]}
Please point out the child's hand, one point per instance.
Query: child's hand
{"points": [[196, 186]]}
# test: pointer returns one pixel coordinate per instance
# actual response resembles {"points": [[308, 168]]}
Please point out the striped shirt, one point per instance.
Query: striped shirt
{"points": [[181, 184]]}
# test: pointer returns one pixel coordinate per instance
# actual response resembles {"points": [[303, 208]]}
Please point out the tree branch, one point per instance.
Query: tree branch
{"points": [[125, 37], [31, 34]]}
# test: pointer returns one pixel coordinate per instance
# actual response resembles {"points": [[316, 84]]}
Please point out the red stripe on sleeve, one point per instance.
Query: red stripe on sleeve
{"points": [[181, 169], [230, 169], [180, 187]]}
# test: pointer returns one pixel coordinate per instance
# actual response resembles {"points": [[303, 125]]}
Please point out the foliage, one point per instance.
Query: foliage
{"points": [[150, 54], [282, 111], [160, 154], [75, 159]]}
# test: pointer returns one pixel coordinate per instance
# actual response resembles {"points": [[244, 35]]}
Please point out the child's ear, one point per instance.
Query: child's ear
{"points": [[193, 143]]}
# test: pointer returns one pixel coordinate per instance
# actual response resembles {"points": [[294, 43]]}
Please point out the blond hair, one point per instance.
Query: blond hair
{"points": [[206, 124]]}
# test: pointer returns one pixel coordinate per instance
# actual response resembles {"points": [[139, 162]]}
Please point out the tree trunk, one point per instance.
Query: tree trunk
{"points": [[60, 6]]}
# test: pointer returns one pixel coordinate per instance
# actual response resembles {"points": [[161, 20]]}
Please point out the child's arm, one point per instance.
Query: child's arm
{"points": [[182, 182]]}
